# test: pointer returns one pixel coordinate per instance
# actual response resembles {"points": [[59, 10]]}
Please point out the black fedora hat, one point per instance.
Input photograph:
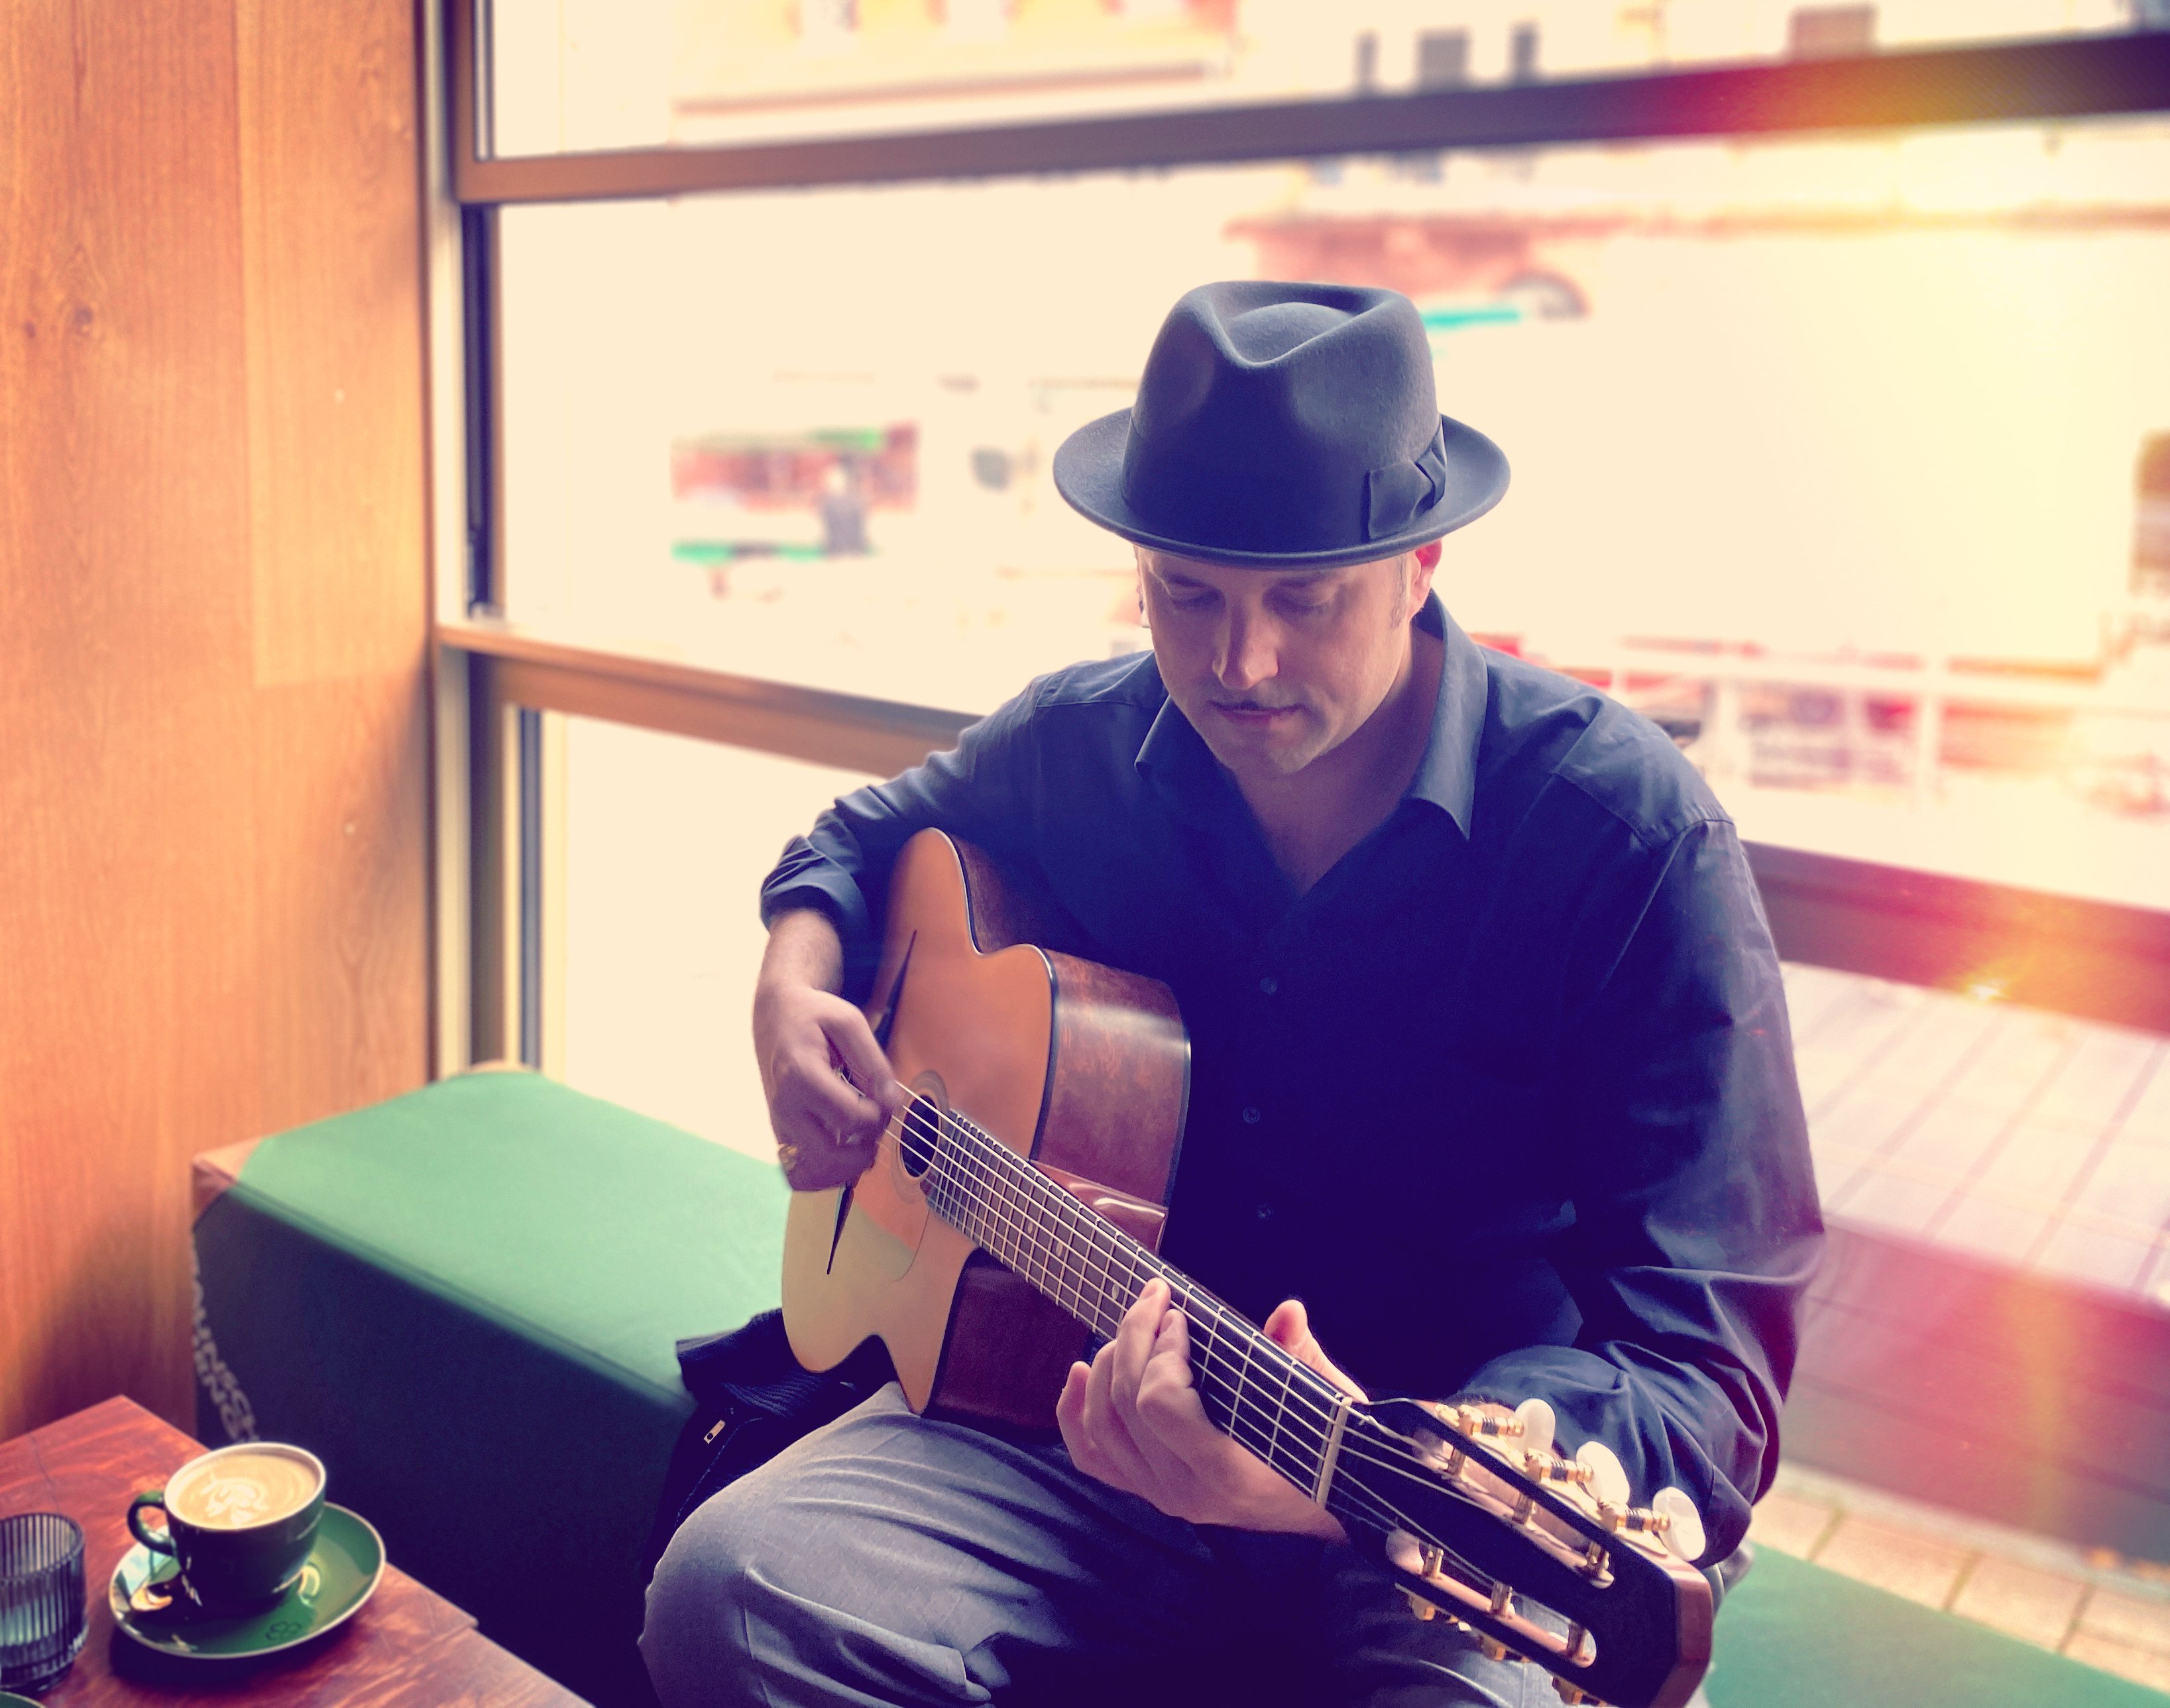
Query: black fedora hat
{"points": [[1284, 426]]}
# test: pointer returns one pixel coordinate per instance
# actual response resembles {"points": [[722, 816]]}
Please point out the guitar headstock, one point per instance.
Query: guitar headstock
{"points": [[1541, 1555]]}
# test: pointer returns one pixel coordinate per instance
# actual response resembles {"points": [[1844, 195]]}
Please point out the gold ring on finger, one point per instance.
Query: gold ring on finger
{"points": [[786, 1156]]}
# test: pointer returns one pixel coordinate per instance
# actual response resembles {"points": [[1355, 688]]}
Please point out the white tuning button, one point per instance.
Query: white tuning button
{"points": [[1608, 1479], [1537, 1425], [1683, 1532]]}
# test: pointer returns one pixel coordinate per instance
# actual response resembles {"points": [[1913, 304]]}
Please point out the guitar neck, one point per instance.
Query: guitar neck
{"points": [[1253, 1389]]}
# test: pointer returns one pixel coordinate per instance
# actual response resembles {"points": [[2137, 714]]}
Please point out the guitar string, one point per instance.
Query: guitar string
{"points": [[1083, 1225], [1396, 1460], [1068, 1275], [1211, 1322], [1356, 1498], [1247, 1413], [1265, 1438], [1091, 1294], [1258, 1413]]}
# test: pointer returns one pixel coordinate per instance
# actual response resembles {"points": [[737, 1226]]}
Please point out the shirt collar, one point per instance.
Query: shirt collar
{"points": [[1175, 757], [1447, 774]]}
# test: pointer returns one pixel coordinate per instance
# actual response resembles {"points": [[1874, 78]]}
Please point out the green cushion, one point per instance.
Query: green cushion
{"points": [[572, 1220], [465, 1301], [1793, 1634]]}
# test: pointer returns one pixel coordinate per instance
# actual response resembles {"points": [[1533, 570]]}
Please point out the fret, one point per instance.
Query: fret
{"points": [[1280, 1415], [1234, 1407], [1023, 1240]]}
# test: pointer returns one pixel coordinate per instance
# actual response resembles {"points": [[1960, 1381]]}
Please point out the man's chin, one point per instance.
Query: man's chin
{"points": [[1266, 757]]}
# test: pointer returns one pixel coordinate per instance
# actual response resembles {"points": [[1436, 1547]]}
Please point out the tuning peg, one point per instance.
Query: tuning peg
{"points": [[1542, 1467], [1475, 1423], [1682, 1530], [1418, 1559], [1535, 1418], [1607, 1477]]}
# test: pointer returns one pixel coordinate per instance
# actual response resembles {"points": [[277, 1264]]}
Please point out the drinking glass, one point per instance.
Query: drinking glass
{"points": [[41, 1600]]}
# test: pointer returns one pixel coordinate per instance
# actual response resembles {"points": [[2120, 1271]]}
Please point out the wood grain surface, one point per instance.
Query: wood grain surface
{"points": [[409, 1647], [213, 610]]}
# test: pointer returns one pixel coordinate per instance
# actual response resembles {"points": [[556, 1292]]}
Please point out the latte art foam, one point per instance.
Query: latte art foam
{"points": [[243, 1487]]}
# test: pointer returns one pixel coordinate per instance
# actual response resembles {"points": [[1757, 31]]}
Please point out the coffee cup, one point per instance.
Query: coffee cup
{"points": [[239, 1521]]}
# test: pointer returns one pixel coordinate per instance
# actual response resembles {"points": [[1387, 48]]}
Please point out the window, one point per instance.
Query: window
{"points": [[663, 842], [1823, 449], [1836, 431]]}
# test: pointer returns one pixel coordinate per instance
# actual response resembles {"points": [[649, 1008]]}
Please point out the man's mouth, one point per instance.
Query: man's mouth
{"points": [[1246, 713]]}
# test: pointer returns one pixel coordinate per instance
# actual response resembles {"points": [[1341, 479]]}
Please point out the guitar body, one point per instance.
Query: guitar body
{"points": [[1079, 1067]]}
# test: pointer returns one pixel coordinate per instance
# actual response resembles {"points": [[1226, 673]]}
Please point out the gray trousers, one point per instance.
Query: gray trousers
{"points": [[888, 1559]]}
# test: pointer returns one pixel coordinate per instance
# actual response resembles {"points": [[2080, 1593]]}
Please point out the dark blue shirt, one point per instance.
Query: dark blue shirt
{"points": [[1507, 1097]]}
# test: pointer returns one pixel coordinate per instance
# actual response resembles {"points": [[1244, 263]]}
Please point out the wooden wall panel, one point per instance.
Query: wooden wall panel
{"points": [[332, 263], [332, 267], [212, 603], [341, 810]]}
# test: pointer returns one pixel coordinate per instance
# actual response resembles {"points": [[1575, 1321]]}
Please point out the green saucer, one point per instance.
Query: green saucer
{"points": [[342, 1568], [8, 1698]]}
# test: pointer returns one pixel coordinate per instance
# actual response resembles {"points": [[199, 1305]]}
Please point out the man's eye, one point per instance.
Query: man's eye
{"points": [[1195, 601]]}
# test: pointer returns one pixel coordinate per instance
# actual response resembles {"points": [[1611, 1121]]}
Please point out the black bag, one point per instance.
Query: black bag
{"points": [[751, 1400]]}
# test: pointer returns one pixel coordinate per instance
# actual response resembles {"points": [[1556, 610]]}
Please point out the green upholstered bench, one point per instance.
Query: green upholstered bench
{"points": [[465, 1301], [1795, 1635]]}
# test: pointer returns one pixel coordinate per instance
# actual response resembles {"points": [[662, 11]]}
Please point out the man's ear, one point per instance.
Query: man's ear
{"points": [[1423, 562]]}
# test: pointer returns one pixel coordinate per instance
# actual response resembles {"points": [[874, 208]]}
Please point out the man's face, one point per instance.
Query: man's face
{"points": [[1276, 667]]}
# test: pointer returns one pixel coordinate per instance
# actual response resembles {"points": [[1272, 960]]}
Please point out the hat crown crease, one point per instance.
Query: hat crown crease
{"points": [[1261, 337]]}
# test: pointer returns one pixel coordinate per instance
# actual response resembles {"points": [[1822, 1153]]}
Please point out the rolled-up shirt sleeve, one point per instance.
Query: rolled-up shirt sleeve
{"points": [[980, 790], [1696, 1228]]}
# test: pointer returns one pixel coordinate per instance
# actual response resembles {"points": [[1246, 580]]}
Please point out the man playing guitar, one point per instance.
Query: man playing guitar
{"points": [[1491, 1071]]}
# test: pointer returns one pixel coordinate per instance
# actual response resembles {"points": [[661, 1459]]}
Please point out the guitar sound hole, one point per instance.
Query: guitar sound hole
{"points": [[917, 1135]]}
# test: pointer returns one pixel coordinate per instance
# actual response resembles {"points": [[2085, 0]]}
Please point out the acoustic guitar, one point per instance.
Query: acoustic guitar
{"points": [[1012, 1214]]}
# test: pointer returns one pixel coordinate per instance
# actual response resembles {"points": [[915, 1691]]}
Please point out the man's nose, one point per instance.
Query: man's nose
{"points": [[1248, 655]]}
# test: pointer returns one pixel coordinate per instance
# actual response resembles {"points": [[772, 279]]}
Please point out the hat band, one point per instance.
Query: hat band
{"points": [[1394, 496]]}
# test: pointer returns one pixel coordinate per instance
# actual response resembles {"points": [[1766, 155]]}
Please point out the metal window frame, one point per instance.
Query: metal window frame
{"points": [[2075, 77], [2082, 957]]}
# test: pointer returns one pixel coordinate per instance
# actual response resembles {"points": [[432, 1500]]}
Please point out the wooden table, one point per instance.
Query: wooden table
{"points": [[408, 1648]]}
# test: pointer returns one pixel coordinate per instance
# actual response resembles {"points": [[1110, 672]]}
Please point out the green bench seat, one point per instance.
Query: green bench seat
{"points": [[465, 1300], [1795, 1635]]}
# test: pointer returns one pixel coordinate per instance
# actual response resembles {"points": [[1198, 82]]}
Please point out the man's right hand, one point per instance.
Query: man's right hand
{"points": [[830, 1088]]}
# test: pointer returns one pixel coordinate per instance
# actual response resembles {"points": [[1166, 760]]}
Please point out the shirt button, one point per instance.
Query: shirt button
{"points": [[1251, 1117], [1270, 985]]}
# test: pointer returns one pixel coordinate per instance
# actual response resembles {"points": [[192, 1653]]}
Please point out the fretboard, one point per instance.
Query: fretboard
{"points": [[1253, 1389]]}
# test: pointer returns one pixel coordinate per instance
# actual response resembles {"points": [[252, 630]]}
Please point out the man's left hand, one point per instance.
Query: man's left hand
{"points": [[1133, 1419]]}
